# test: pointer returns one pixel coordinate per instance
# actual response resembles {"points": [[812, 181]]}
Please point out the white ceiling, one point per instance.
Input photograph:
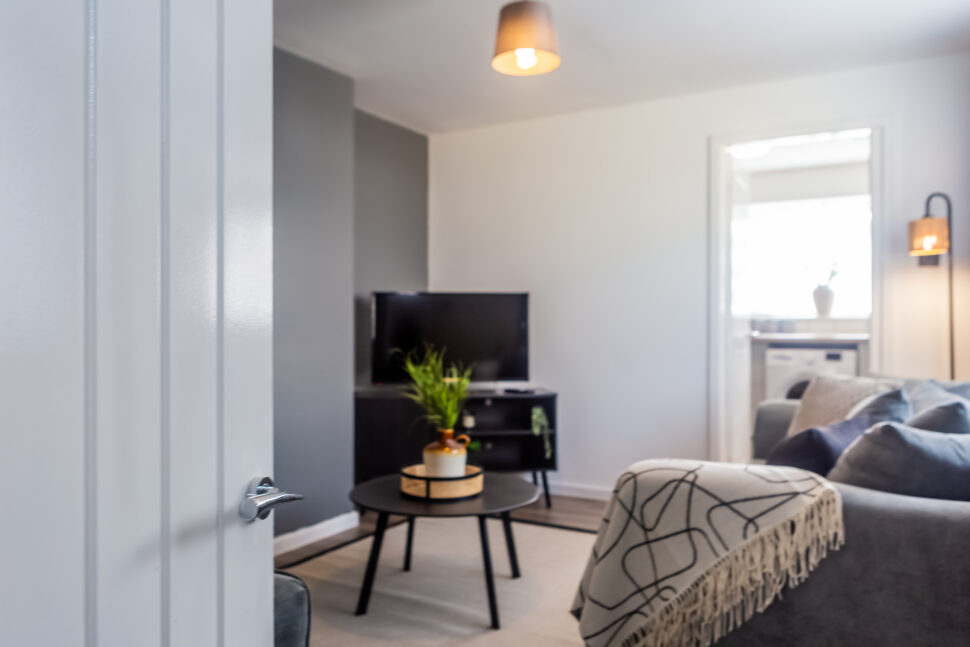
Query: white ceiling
{"points": [[425, 63]]}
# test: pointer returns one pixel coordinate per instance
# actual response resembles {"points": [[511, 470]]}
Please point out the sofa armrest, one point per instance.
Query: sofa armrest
{"points": [[900, 580], [931, 532], [771, 424]]}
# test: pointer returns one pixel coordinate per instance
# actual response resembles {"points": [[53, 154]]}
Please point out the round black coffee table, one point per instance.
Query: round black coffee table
{"points": [[502, 493]]}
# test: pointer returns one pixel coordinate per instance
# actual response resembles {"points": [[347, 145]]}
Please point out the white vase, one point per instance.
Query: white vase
{"points": [[824, 297]]}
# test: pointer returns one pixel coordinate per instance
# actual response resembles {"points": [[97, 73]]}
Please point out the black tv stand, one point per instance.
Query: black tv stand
{"points": [[389, 432], [480, 392]]}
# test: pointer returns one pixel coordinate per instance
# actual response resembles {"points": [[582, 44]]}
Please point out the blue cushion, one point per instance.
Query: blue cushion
{"points": [[818, 449], [950, 418], [892, 405], [896, 458]]}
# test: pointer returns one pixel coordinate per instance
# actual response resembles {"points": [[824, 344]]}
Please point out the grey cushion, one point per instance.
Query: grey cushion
{"points": [[957, 388], [950, 418], [929, 393], [895, 458]]}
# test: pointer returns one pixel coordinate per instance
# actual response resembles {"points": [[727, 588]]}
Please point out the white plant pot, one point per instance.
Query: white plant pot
{"points": [[824, 298], [441, 464], [446, 456]]}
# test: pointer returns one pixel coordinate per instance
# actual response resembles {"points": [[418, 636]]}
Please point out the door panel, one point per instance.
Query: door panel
{"points": [[136, 332], [247, 312], [190, 276], [128, 319], [42, 344]]}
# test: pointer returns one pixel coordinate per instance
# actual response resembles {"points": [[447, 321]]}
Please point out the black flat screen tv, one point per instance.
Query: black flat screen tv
{"points": [[488, 331]]}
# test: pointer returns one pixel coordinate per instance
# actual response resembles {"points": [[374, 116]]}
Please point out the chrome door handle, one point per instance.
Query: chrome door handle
{"points": [[261, 497]]}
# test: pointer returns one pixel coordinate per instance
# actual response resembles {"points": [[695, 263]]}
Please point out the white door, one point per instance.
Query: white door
{"points": [[135, 321]]}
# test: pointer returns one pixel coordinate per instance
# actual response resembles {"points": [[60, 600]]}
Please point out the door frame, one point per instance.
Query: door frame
{"points": [[719, 262]]}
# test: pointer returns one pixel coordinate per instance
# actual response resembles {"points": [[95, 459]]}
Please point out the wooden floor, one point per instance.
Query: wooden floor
{"points": [[566, 512]]}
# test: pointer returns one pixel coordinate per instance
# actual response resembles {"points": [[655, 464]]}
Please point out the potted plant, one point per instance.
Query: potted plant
{"points": [[441, 392]]}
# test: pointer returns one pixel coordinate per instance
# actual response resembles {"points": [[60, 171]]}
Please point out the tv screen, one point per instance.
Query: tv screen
{"points": [[487, 331]]}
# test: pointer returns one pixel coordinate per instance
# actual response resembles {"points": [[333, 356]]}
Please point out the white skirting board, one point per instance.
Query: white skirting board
{"points": [[326, 528], [578, 490]]}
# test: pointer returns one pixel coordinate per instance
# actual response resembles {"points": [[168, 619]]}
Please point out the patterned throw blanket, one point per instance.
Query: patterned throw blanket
{"points": [[689, 550]]}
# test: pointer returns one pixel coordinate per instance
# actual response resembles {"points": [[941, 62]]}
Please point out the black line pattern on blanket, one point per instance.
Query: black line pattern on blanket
{"points": [[640, 523]]}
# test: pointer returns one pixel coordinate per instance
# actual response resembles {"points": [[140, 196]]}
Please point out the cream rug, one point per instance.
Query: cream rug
{"points": [[442, 600]]}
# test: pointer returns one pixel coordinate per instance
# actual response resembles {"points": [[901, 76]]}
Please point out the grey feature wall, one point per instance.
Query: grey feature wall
{"points": [[350, 217], [313, 288], [391, 219]]}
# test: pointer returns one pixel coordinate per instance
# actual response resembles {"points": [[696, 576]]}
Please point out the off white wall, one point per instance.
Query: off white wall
{"points": [[602, 216]]}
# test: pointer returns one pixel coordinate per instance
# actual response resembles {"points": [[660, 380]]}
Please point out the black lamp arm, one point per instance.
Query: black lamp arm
{"points": [[949, 229], [946, 199]]}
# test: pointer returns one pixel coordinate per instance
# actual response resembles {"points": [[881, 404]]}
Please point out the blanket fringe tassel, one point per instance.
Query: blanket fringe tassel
{"points": [[747, 580]]}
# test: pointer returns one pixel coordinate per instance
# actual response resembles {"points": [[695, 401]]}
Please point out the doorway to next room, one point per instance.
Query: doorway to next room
{"points": [[797, 290]]}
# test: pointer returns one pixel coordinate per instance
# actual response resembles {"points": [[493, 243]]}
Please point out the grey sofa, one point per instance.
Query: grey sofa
{"points": [[771, 424], [902, 578]]}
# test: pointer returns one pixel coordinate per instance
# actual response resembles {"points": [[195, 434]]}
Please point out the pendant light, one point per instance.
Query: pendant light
{"points": [[525, 44]]}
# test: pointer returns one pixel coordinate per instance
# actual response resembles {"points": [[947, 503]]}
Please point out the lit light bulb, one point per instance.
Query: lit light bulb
{"points": [[929, 242], [525, 58]]}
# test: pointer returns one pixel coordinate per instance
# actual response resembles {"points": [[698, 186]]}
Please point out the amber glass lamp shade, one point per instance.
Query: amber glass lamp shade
{"points": [[525, 44], [928, 237]]}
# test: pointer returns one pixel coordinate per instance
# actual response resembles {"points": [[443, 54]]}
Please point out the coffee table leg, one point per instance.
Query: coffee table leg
{"points": [[510, 544], [489, 580], [375, 553], [407, 547]]}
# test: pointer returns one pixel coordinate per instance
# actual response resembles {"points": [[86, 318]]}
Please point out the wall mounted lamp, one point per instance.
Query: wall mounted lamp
{"points": [[929, 238]]}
